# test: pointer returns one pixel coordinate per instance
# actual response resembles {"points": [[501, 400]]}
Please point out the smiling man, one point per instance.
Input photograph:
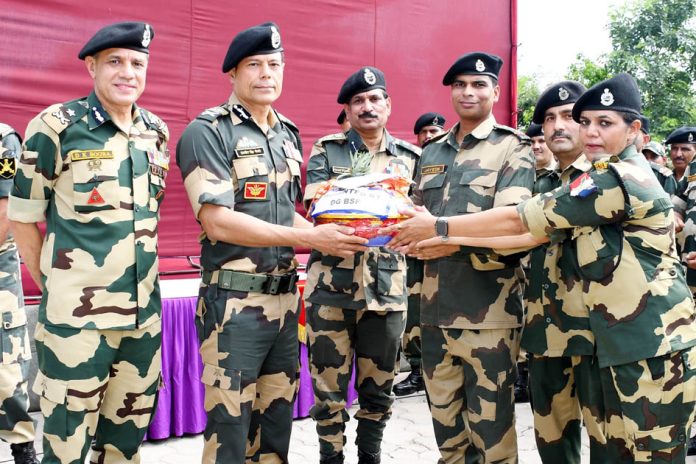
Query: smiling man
{"points": [[94, 170]]}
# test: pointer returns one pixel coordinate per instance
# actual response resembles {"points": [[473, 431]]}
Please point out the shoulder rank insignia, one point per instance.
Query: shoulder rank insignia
{"points": [[583, 186]]}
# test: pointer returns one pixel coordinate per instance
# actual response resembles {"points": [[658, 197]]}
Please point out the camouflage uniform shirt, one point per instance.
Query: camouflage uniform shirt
{"points": [[99, 191], [622, 225], [684, 201], [227, 160], [493, 166], [375, 279], [557, 321]]}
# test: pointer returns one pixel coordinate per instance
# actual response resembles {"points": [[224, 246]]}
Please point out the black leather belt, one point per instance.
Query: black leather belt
{"points": [[269, 284]]}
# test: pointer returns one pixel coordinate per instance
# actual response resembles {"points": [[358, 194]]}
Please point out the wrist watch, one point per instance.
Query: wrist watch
{"points": [[441, 227]]}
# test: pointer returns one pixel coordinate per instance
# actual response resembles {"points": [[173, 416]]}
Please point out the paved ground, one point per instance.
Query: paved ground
{"points": [[408, 439]]}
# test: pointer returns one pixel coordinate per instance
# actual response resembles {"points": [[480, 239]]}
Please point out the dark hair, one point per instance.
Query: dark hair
{"points": [[628, 118]]}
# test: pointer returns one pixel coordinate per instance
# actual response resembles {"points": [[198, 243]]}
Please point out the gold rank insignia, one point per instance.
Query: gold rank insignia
{"points": [[8, 168], [255, 191], [691, 178], [601, 164]]}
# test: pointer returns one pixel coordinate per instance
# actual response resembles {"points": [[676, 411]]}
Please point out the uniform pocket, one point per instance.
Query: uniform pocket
{"points": [[391, 278], [598, 250], [223, 393], [15, 337], [475, 192], [249, 166], [95, 185]]}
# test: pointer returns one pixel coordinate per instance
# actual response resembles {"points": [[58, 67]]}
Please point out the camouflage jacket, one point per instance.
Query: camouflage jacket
{"points": [[375, 279], [684, 201], [493, 166], [99, 191], [227, 160], [15, 340], [556, 321], [622, 226], [665, 177]]}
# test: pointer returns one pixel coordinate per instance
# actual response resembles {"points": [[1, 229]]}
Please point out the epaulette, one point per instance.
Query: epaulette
{"points": [[408, 146], [605, 162], [664, 170], [338, 137], [439, 138], [292, 128], [520, 135], [59, 116], [6, 130], [211, 114], [153, 121], [287, 122]]}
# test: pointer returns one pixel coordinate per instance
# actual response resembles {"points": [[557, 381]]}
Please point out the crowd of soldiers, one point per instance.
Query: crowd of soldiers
{"points": [[605, 303]]}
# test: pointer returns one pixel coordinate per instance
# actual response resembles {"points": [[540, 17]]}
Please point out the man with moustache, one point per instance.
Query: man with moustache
{"points": [[427, 126], [471, 305], [93, 169], [682, 147], [241, 167], [543, 157], [356, 306]]}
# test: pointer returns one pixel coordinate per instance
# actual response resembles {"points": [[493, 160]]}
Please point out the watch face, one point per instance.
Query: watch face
{"points": [[441, 227]]}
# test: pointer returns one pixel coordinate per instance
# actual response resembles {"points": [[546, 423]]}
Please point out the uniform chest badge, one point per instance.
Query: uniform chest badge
{"points": [[369, 76], [607, 98], [95, 197], [8, 168], [255, 191], [157, 158], [291, 151], [583, 186], [247, 147], [563, 94]]}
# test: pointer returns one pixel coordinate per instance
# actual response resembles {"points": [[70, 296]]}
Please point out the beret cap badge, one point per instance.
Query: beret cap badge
{"points": [[480, 67], [607, 98], [275, 37], [563, 94], [369, 76], [147, 36], [691, 137]]}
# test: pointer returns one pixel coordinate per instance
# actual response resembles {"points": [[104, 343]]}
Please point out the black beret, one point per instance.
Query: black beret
{"points": [[682, 135], [341, 117], [429, 119], [263, 39], [644, 124], [478, 63], [559, 94], [620, 93], [534, 130], [133, 35], [364, 80]]}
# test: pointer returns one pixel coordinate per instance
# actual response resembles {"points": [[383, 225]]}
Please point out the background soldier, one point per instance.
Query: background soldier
{"points": [[682, 147], [94, 170], [471, 308], [16, 426], [356, 305], [664, 175], [545, 163], [655, 153], [343, 122], [241, 167], [427, 126]]}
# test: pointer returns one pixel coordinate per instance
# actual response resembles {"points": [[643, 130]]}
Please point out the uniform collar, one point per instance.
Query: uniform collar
{"points": [[97, 115], [480, 132], [240, 114], [355, 142], [581, 163]]}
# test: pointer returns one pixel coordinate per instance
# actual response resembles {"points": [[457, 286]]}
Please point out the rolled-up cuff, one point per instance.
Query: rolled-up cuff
{"points": [[25, 210], [532, 214]]}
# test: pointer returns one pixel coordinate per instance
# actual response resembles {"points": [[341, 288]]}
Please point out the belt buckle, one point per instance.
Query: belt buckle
{"points": [[272, 285]]}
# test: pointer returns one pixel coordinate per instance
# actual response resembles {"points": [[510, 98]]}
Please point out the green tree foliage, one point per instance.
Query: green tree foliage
{"points": [[655, 41], [527, 96]]}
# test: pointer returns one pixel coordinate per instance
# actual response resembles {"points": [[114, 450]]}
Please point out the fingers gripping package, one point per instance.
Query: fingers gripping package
{"points": [[366, 203]]}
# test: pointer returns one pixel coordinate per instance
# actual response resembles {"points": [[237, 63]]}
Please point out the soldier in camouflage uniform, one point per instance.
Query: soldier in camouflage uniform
{"points": [[622, 226], [241, 167], [427, 126], [471, 307], [356, 306], [94, 170], [16, 426], [664, 175]]}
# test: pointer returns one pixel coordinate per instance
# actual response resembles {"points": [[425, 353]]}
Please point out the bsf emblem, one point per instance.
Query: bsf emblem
{"points": [[607, 98], [147, 36], [8, 168], [480, 67], [255, 191], [275, 37], [369, 76], [563, 94], [691, 137]]}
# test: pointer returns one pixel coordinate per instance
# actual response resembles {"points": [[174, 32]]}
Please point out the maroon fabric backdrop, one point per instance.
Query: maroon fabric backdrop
{"points": [[412, 41]]}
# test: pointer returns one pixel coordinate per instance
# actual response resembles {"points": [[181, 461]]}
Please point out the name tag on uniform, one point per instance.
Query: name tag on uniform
{"points": [[247, 147], [91, 154], [340, 170], [433, 169], [255, 190]]}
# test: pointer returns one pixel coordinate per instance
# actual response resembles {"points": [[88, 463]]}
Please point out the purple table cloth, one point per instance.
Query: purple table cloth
{"points": [[180, 408]]}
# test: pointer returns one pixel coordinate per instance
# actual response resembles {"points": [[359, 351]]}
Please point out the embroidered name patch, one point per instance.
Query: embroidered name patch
{"points": [[433, 169], [255, 190], [91, 154], [340, 170]]}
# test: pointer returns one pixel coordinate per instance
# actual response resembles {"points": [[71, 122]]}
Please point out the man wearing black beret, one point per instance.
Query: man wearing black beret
{"points": [[356, 307], [241, 167], [471, 312], [94, 169], [427, 126], [682, 147], [543, 157]]}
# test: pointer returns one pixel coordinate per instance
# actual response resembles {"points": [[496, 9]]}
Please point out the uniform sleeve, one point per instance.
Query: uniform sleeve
{"points": [[516, 177], [317, 171], [670, 185], [559, 209], [37, 170], [10, 150], [204, 166]]}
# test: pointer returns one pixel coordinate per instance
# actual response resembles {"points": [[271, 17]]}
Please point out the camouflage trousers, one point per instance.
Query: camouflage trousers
{"points": [[335, 336], [16, 426], [470, 375], [649, 407], [411, 341], [99, 384], [250, 358], [567, 391]]}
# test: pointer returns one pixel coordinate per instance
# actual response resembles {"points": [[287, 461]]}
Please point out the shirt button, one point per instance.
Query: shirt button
{"points": [[641, 446], [548, 320], [137, 208], [139, 243], [545, 286]]}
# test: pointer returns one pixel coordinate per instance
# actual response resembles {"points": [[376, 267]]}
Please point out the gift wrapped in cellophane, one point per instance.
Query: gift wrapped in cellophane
{"points": [[367, 203]]}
